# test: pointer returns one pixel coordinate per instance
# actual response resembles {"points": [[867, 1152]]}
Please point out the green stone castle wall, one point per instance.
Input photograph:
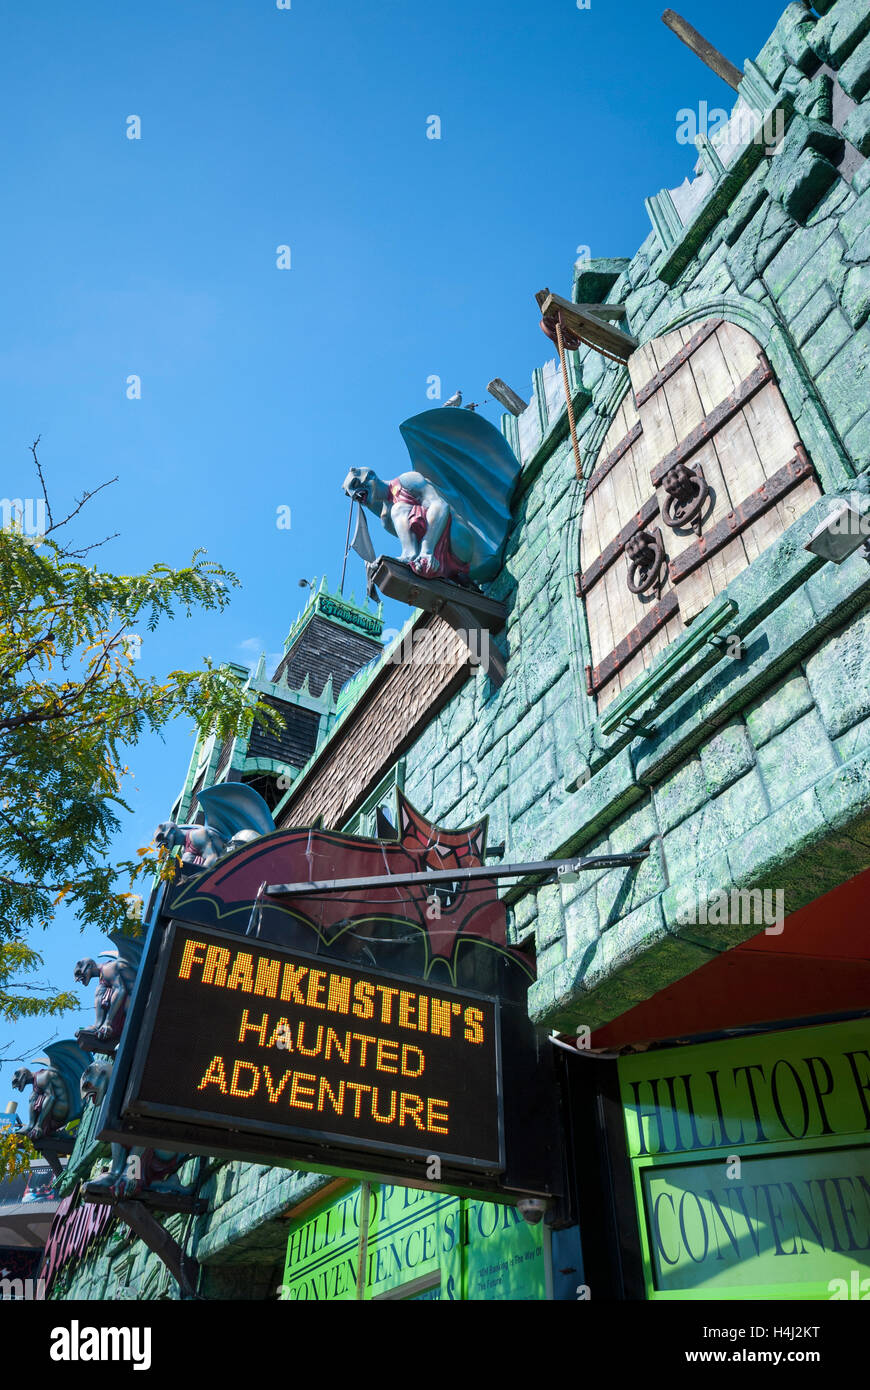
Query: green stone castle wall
{"points": [[759, 772]]}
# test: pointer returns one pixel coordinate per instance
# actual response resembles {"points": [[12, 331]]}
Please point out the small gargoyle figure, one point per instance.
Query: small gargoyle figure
{"points": [[55, 1098], [235, 814], [434, 540], [131, 1170], [451, 511], [115, 981]]}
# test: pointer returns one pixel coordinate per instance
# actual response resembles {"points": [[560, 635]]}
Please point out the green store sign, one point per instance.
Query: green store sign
{"points": [[751, 1164], [420, 1245]]}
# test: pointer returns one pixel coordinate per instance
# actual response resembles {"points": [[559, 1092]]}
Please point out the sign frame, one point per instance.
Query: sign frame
{"points": [[723, 1052], [127, 1120]]}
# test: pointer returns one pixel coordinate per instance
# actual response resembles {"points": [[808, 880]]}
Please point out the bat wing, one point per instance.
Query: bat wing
{"points": [[129, 948], [69, 1060], [474, 468], [233, 806]]}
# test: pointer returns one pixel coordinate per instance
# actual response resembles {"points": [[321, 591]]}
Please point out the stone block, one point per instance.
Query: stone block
{"points": [[855, 740], [582, 926], [861, 178], [825, 268], [600, 800], [634, 828], [726, 756], [550, 924], [794, 30], [857, 443], [833, 332], [692, 907], [839, 677], [844, 799], [838, 34], [532, 785], [836, 592], [680, 794], [762, 237], [788, 852], [550, 957], [771, 61], [816, 99], [854, 75], [856, 294], [802, 250], [688, 845], [855, 228], [813, 315], [741, 805], [778, 708], [794, 759], [856, 129], [844, 382]]}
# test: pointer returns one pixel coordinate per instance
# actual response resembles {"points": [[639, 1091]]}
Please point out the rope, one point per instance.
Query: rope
{"points": [[578, 465]]}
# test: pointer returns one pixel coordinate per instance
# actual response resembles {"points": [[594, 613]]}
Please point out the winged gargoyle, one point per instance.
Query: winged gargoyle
{"points": [[132, 1170], [235, 814], [55, 1097], [115, 981], [451, 511]]}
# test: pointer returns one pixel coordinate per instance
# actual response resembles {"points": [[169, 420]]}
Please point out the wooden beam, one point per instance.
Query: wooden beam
{"points": [[602, 311], [594, 331], [397, 580], [506, 397], [702, 49]]}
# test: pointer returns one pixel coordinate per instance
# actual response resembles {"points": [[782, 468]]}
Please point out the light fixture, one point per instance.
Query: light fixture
{"points": [[840, 534]]}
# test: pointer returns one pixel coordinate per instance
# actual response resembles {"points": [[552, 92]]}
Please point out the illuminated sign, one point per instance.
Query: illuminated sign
{"points": [[751, 1163], [250, 1048]]}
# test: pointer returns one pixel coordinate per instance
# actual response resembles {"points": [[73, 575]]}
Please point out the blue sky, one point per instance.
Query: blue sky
{"points": [[410, 257]]}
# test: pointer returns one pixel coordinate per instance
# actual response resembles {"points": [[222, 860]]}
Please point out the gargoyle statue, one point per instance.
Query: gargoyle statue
{"points": [[451, 512], [235, 814], [115, 980], [131, 1170], [55, 1098]]}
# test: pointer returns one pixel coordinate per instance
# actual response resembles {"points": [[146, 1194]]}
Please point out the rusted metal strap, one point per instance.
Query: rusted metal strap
{"points": [[656, 382], [614, 549], [716, 419], [658, 615], [614, 456], [755, 505]]}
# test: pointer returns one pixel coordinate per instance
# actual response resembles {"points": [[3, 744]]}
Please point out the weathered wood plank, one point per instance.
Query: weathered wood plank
{"points": [[689, 346], [714, 421]]}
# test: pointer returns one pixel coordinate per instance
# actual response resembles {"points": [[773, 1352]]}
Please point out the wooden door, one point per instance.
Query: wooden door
{"points": [[703, 467]]}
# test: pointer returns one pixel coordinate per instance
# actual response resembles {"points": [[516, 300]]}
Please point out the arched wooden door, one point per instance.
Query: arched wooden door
{"points": [[700, 471]]}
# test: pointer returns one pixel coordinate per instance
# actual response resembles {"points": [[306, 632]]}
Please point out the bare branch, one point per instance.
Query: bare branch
{"points": [[41, 478], [85, 498]]}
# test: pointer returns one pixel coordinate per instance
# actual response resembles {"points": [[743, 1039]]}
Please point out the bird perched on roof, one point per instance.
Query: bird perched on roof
{"points": [[455, 399]]}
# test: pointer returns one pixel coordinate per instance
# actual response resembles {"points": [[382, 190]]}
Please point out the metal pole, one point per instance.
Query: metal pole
{"points": [[346, 549], [702, 49], [365, 1192], [484, 871]]}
